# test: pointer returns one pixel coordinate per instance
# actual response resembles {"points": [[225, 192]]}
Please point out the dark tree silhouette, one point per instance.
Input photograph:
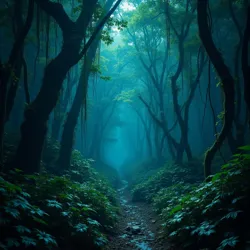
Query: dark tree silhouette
{"points": [[67, 141], [34, 127], [245, 64], [14, 63], [226, 80]]}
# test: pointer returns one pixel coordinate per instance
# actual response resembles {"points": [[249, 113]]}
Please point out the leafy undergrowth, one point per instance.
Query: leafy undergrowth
{"points": [[108, 172], [210, 215], [165, 177], [140, 171], [45, 211], [76, 210]]}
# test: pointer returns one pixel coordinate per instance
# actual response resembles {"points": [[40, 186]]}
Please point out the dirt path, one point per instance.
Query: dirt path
{"points": [[139, 227]]}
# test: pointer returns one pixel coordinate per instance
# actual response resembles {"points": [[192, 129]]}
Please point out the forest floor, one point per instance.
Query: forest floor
{"points": [[139, 227]]}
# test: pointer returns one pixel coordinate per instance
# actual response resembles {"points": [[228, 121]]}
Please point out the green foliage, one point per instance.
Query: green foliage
{"points": [[105, 78], [126, 96], [167, 176], [108, 173], [96, 69], [168, 197], [213, 215], [20, 219], [56, 211], [73, 210], [195, 215], [113, 22], [80, 169]]}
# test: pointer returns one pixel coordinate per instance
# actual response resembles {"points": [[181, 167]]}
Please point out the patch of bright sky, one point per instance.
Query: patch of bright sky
{"points": [[127, 6]]}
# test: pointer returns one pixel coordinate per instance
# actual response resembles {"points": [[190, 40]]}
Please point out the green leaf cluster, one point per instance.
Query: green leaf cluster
{"points": [[165, 177], [43, 210], [20, 218], [213, 215]]}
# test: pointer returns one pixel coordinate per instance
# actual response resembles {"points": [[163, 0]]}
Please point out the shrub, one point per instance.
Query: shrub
{"points": [[170, 196], [20, 219], [43, 210], [215, 215], [165, 177]]}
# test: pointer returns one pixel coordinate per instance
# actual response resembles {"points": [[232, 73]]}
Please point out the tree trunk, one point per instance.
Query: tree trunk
{"points": [[34, 127], [201, 64], [172, 144], [234, 143], [226, 79], [244, 63], [185, 26], [72, 118], [67, 141], [184, 145], [7, 69]]}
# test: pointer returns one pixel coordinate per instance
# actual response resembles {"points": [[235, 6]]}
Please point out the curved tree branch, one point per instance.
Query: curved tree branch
{"points": [[226, 79], [57, 11], [161, 124], [96, 31]]}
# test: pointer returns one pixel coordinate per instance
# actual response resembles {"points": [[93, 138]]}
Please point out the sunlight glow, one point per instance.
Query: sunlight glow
{"points": [[127, 6]]}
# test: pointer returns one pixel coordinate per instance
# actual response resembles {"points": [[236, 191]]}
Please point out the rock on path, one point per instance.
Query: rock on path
{"points": [[138, 226]]}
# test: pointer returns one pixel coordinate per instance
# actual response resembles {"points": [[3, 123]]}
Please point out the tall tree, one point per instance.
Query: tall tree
{"points": [[80, 99], [13, 66], [226, 80], [34, 127], [181, 36], [245, 62]]}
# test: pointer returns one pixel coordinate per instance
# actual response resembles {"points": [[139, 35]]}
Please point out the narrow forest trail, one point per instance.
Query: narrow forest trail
{"points": [[139, 227]]}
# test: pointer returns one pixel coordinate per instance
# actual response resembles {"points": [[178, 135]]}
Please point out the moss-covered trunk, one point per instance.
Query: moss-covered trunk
{"points": [[226, 80]]}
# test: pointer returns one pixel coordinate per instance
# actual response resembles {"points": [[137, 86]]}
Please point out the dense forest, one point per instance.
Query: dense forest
{"points": [[125, 124]]}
